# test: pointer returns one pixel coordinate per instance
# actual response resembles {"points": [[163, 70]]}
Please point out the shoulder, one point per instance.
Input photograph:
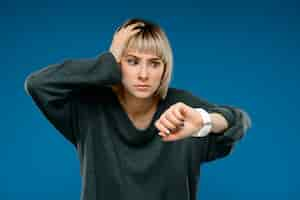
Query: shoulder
{"points": [[95, 95], [176, 95], [79, 61]]}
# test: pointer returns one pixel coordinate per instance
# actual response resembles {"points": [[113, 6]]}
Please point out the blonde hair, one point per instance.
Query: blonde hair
{"points": [[152, 38]]}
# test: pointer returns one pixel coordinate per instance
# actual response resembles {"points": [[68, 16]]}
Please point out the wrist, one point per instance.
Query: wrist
{"points": [[219, 123], [206, 123]]}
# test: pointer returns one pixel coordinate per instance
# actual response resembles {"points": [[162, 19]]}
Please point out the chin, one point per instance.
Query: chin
{"points": [[142, 94]]}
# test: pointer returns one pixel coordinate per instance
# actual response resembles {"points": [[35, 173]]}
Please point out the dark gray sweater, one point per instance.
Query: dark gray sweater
{"points": [[117, 160]]}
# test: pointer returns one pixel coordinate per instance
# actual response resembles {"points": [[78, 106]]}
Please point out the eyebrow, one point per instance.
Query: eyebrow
{"points": [[153, 59]]}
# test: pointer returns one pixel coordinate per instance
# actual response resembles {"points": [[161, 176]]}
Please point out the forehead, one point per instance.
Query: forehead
{"points": [[144, 55]]}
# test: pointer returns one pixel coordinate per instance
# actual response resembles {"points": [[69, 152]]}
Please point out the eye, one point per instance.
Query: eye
{"points": [[131, 61], [155, 64]]}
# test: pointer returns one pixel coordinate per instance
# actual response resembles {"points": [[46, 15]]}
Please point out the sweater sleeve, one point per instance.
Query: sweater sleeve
{"points": [[214, 146], [220, 145], [53, 88]]}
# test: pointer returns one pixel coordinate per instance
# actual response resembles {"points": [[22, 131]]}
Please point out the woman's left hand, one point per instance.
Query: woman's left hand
{"points": [[180, 120]]}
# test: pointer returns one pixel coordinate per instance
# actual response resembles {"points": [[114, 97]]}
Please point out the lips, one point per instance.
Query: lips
{"points": [[142, 85]]}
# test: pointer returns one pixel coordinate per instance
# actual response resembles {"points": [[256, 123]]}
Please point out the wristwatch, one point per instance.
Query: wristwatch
{"points": [[207, 123]]}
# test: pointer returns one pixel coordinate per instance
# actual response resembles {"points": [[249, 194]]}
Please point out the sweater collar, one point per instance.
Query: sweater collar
{"points": [[127, 130]]}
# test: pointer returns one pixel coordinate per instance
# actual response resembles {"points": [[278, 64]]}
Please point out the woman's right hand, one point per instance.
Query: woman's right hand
{"points": [[120, 39]]}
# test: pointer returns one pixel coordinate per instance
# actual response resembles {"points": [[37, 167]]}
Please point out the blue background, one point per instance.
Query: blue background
{"points": [[240, 53]]}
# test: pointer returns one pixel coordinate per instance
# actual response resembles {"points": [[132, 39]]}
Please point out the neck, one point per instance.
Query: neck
{"points": [[138, 107]]}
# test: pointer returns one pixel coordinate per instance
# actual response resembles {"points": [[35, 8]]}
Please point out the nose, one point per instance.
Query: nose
{"points": [[143, 72]]}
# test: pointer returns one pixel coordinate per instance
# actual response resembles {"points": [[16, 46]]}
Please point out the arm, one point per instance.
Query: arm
{"points": [[53, 88], [216, 145], [220, 141], [220, 144]]}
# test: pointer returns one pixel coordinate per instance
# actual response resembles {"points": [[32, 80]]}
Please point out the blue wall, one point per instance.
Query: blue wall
{"points": [[239, 53]]}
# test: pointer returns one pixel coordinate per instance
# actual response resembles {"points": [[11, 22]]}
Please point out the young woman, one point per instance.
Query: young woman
{"points": [[136, 137]]}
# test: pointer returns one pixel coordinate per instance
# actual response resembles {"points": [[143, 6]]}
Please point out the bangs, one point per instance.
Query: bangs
{"points": [[147, 42]]}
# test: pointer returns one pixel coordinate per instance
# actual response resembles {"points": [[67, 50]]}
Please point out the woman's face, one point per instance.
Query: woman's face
{"points": [[141, 69]]}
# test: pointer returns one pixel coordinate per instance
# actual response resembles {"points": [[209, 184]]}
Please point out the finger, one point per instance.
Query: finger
{"points": [[166, 123], [173, 118], [178, 114], [131, 26], [129, 33], [162, 128], [134, 26], [162, 134], [133, 32], [171, 138]]}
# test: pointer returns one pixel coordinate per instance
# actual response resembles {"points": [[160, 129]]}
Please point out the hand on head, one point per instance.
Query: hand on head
{"points": [[121, 37]]}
